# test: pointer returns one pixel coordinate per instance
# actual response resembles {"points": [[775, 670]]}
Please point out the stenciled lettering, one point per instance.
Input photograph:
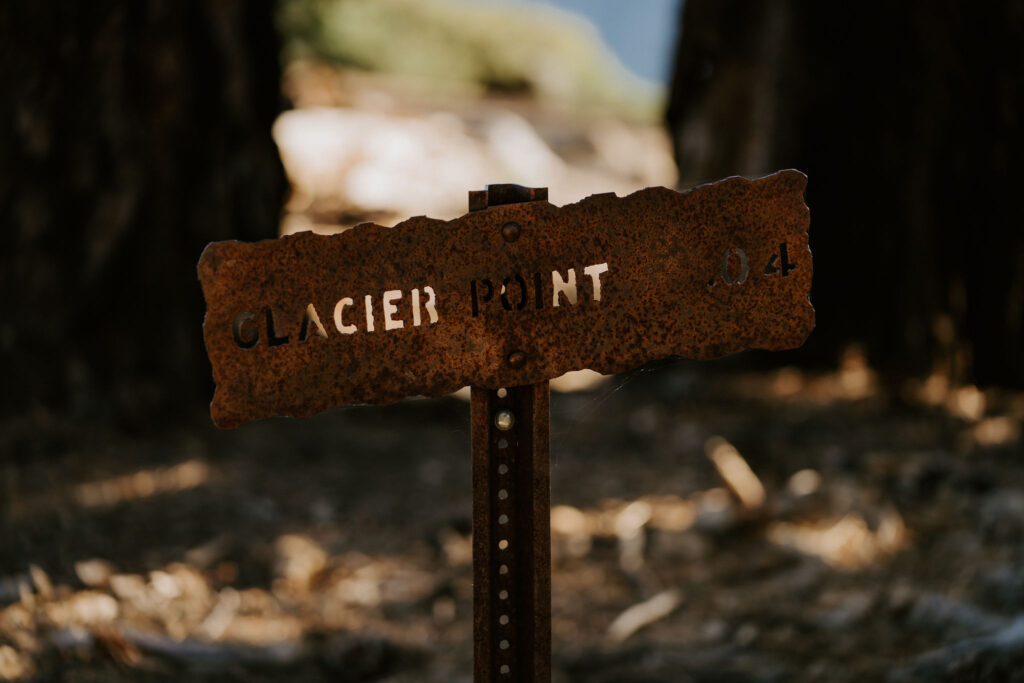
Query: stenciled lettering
{"points": [[520, 291], [505, 302], [422, 309], [390, 309], [477, 298], [272, 338], [431, 304], [311, 317], [563, 286], [594, 272], [778, 264], [242, 338], [339, 313]]}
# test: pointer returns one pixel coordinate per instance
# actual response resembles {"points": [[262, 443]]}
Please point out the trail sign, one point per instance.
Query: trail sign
{"points": [[508, 295], [505, 298]]}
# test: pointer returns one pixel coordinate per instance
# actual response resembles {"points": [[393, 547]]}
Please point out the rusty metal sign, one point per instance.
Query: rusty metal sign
{"points": [[505, 296]]}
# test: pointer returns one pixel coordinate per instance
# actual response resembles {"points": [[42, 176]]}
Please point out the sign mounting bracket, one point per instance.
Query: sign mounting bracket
{"points": [[511, 509]]}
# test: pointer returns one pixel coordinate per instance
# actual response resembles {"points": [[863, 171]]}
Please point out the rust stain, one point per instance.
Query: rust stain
{"points": [[511, 511], [715, 270], [522, 593]]}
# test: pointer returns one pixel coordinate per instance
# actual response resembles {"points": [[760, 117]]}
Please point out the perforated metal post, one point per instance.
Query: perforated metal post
{"points": [[511, 511]]}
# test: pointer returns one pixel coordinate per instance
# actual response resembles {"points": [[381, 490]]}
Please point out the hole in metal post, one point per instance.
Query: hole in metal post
{"points": [[503, 392], [503, 569], [504, 420], [503, 619], [502, 443], [502, 544], [503, 645], [504, 669], [503, 519], [502, 494], [503, 595]]}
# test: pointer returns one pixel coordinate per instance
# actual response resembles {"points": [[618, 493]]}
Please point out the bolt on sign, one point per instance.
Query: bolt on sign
{"points": [[509, 295]]}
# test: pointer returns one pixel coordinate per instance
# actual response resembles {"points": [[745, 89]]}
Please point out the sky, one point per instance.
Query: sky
{"points": [[641, 33]]}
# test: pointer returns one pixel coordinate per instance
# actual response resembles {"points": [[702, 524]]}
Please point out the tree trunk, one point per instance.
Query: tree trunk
{"points": [[137, 131], [908, 119]]}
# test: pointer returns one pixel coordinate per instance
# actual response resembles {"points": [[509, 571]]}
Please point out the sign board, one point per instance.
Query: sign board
{"points": [[505, 296]]}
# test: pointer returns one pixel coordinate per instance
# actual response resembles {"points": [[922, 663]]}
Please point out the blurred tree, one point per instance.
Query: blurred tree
{"points": [[908, 118], [136, 132]]}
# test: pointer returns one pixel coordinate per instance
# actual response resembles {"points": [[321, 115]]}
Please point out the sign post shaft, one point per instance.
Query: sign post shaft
{"points": [[511, 516]]}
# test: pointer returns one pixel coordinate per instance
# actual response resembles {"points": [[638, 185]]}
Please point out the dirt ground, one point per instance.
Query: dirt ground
{"points": [[888, 543]]}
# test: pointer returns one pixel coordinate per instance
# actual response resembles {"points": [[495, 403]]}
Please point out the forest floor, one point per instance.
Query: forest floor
{"points": [[889, 542]]}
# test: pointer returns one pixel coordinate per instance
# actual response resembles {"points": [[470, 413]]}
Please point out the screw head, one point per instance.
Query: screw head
{"points": [[516, 359], [511, 231], [504, 419]]}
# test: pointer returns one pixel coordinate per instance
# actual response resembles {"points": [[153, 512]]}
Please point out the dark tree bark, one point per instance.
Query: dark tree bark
{"points": [[908, 118], [136, 132]]}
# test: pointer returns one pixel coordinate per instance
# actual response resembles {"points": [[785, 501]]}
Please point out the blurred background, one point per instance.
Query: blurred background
{"points": [[853, 510]]}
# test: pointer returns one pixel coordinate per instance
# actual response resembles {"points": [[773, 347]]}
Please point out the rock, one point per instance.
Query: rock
{"points": [[14, 665], [298, 560], [84, 608], [94, 573], [128, 586]]}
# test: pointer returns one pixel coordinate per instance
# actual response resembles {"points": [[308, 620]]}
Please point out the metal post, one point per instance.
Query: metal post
{"points": [[511, 515]]}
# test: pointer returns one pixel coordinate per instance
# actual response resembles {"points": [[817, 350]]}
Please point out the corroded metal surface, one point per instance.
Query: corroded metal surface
{"points": [[511, 537], [511, 511], [721, 268]]}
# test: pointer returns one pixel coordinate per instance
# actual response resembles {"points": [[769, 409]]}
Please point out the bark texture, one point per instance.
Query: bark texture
{"points": [[136, 132], [907, 118]]}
